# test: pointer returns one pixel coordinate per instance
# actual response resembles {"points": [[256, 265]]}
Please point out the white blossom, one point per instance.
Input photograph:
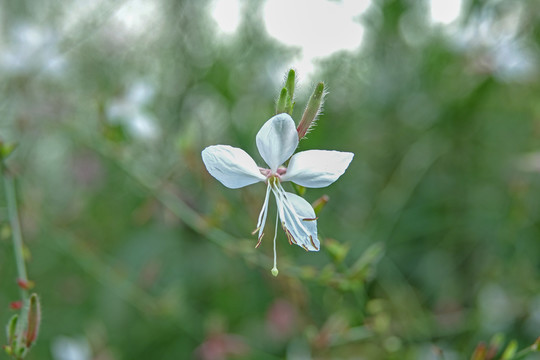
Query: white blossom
{"points": [[277, 140]]}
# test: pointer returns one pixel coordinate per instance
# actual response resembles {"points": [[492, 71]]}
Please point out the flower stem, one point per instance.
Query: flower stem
{"points": [[9, 187], [19, 340]]}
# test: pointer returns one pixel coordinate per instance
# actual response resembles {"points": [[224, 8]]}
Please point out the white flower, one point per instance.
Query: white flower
{"points": [[67, 348], [277, 140], [130, 111]]}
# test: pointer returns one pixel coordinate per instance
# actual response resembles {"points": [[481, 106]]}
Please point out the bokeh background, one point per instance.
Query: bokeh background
{"points": [[430, 241]]}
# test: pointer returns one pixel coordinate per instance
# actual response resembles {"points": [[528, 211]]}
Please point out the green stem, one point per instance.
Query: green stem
{"points": [[527, 351], [9, 187]]}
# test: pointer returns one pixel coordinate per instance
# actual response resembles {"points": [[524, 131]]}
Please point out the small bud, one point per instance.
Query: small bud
{"points": [[11, 328], [299, 189], [5, 232], [34, 320], [285, 103], [536, 345], [27, 256], [364, 267], [497, 341], [8, 350], [510, 350], [319, 204], [25, 284], [479, 352], [275, 271], [290, 83], [16, 305], [281, 105], [6, 149], [337, 251], [313, 109]]}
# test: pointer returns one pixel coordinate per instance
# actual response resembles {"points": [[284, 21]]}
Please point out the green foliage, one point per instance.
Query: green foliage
{"points": [[429, 241]]}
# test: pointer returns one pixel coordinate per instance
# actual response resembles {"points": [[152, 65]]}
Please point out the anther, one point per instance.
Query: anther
{"points": [[259, 242], [313, 243]]}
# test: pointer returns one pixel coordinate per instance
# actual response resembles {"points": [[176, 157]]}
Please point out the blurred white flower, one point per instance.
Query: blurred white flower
{"points": [[226, 14], [495, 307], [529, 162], [32, 48], [68, 348], [532, 323], [495, 42], [129, 111], [444, 11], [319, 28]]}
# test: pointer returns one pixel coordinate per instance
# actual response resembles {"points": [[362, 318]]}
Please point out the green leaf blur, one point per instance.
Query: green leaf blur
{"points": [[430, 242]]}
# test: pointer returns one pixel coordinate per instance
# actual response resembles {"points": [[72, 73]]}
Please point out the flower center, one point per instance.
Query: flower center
{"points": [[273, 175]]}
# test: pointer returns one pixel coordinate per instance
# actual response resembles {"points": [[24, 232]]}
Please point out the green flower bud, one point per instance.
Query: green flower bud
{"points": [[299, 189], [11, 328], [290, 83], [281, 105], [6, 149], [313, 109], [319, 204], [510, 350], [285, 103], [34, 320]]}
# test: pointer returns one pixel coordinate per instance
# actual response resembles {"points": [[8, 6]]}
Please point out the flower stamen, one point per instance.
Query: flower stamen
{"points": [[262, 215], [260, 240]]}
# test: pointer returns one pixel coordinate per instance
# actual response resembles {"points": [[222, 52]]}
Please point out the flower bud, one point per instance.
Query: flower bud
{"points": [[510, 350], [281, 105], [319, 204], [34, 320], [25, 284], [16, 305], [299, 189], [479, 352], [274, 271], [11, 328], [285, 103], [313, 110], [6, 149], [8, 350], [290, 83], [337, 251]]}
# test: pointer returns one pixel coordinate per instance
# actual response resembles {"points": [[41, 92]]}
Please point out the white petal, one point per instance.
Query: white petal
{"points": [[233, 167], [277, 140], [298, 220], [317, 168]]}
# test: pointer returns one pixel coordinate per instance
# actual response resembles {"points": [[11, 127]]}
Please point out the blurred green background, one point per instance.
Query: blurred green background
{"points": [[430, 240]]}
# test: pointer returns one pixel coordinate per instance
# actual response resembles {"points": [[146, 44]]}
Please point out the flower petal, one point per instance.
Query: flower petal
{"points": [[317, 168], [297, 219], [233, 167], [277, 140]]}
